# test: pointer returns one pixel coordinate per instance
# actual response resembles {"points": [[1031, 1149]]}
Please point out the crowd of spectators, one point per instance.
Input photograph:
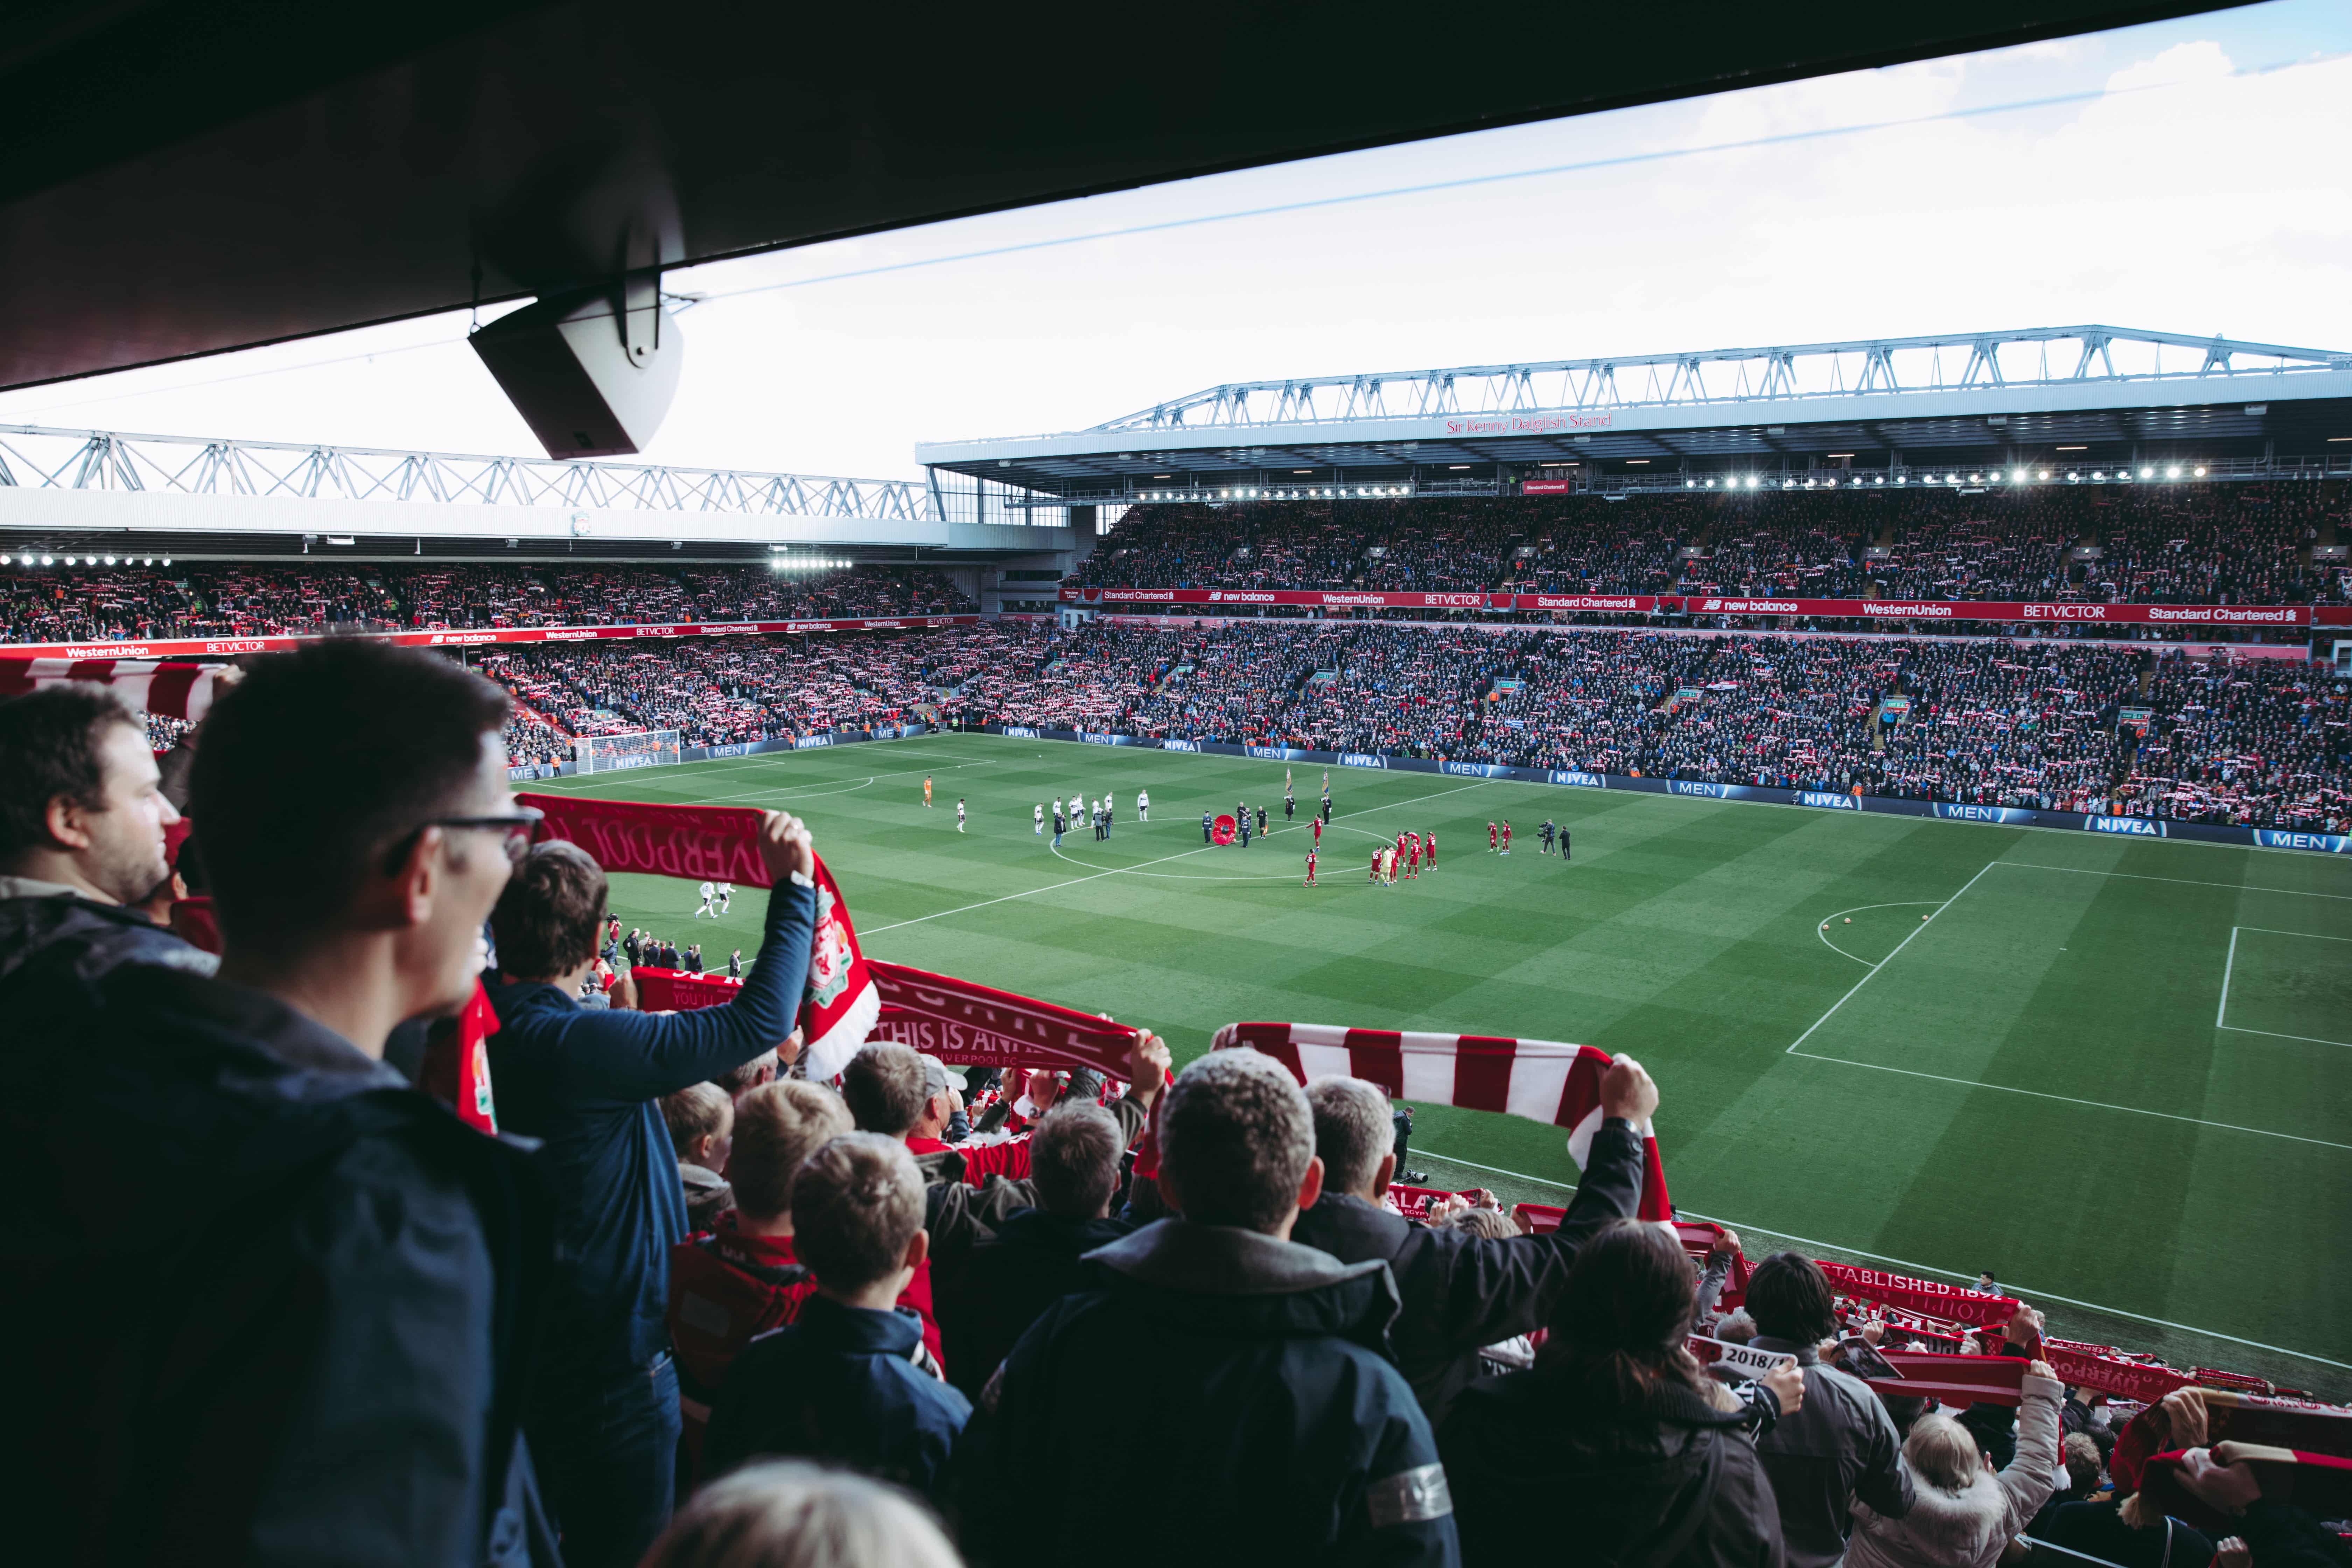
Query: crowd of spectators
{"points": [[2050, 723], [2202, 544], [432, 1291], [2045, 723], [47, 605]]}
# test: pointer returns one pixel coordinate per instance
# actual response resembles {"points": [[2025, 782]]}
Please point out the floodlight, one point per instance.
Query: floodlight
{"points": [[2201, 471], [2173, 472], [2045, 473], [110, 560], [2148, 473], [46, 560], [2098, 473]]}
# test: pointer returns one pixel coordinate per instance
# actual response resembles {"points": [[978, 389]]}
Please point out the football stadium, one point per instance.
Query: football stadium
{"points": [[1756, 941]]}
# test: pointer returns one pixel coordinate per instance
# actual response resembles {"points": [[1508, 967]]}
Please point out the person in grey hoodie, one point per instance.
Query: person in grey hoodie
{"points": [[1963, 1513], [1840, 1444]]}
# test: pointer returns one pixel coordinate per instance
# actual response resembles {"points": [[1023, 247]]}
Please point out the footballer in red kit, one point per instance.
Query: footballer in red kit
{"points": [[1490, 839]]}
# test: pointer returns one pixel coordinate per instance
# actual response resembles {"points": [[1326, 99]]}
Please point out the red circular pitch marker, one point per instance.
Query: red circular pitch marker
{"points": [[1223, 829]]}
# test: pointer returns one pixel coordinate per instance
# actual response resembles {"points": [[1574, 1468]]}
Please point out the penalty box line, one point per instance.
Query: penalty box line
{"points": [[2008, 1088]]}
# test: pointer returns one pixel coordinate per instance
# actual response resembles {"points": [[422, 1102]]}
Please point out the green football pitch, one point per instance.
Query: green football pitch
{"points": [[2117, 1073]]}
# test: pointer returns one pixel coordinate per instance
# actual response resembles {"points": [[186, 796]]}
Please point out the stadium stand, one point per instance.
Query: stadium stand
{"points": [[2054, 724], [1517, 1336], [53, 605], [2216, 544]]}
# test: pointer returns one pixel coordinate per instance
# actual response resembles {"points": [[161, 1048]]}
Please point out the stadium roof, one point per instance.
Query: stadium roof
{"points": [[188, 176], [2110, 394]]}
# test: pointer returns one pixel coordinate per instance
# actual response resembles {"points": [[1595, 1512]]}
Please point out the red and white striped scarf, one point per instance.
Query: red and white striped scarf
{"points": [[163, 688], [1542, 1080]]}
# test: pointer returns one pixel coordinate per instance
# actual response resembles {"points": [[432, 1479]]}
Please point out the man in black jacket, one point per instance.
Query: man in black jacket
{"points": [[1253, 1367], [282, 1321], [1840, 1443], [1461, 1290], [82, 839], [1033, 1260]]}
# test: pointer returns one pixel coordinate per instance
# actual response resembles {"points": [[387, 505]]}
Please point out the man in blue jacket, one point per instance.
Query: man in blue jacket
{"points": [[602, 1412], [1255, 1369]]}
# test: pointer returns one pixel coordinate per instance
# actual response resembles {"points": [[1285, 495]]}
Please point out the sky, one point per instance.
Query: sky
{"points": [[2185, 176]]}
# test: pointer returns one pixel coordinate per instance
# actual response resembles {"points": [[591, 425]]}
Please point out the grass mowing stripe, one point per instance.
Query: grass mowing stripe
{"points": [[1121, 870], [1882, 963], [2184, 881], [2022, 1291], [2070, 1100]]}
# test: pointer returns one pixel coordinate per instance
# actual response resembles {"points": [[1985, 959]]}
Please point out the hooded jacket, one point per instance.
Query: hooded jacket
{"points": [[1671, 1482], [1838, 1445], [1243, 1381], [1461, 1291], [281, 1321], [840, 1384], [1968, 1528], [1007, 1283]]}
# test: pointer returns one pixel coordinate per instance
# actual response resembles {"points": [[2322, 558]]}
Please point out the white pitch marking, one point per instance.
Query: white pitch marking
{"points": [[1882, 962]]}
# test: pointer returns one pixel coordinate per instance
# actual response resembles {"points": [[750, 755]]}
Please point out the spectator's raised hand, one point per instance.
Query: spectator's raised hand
{"points": [[1149, 1066], [784, 846], [1787, 1383], [2230, 1487], [1626, 1090], [2184, 1411], [2232, 1551]]}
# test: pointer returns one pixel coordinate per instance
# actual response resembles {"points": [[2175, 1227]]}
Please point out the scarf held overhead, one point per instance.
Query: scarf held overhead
{"points": [[1542, 1080], [1926, 1297], [722, 843], [161, 689]]}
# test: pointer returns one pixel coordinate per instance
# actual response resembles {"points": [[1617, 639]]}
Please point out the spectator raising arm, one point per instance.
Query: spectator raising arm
{"points": [[603, 1410], [1462, 1291]]}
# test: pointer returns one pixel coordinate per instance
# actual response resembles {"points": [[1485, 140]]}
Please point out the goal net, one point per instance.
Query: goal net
{"points": [[609, 753]]}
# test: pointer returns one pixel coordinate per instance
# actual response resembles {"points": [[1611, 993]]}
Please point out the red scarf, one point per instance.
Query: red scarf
{"points": [[722, 843], [1948, 1303], [1541, 1079]]}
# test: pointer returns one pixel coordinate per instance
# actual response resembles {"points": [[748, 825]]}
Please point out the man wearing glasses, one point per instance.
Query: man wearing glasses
{"points": [[313, 1347]]}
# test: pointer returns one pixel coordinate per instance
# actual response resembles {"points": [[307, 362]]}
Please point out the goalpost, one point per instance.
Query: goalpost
{"points": [[610, 754]]}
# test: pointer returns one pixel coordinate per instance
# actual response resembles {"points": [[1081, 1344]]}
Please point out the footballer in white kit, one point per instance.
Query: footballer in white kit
{"points": [[1143, 806], [709, 892], [1037, 815]]}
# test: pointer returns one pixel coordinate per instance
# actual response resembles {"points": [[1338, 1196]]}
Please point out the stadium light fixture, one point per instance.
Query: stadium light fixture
{"points": [[46, 562], [2148, 473], [1951, 479], [2072, 476], [2200, 470], [110, 560], [2045, 473], [2098, 473], [2173, 472]]}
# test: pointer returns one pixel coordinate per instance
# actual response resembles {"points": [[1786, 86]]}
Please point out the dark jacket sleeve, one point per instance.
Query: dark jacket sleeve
{"points": [[958, 1214], [382, 1459], [2281, 1535], [1494, 1289], [1406, 1515], [628, 1056]]}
